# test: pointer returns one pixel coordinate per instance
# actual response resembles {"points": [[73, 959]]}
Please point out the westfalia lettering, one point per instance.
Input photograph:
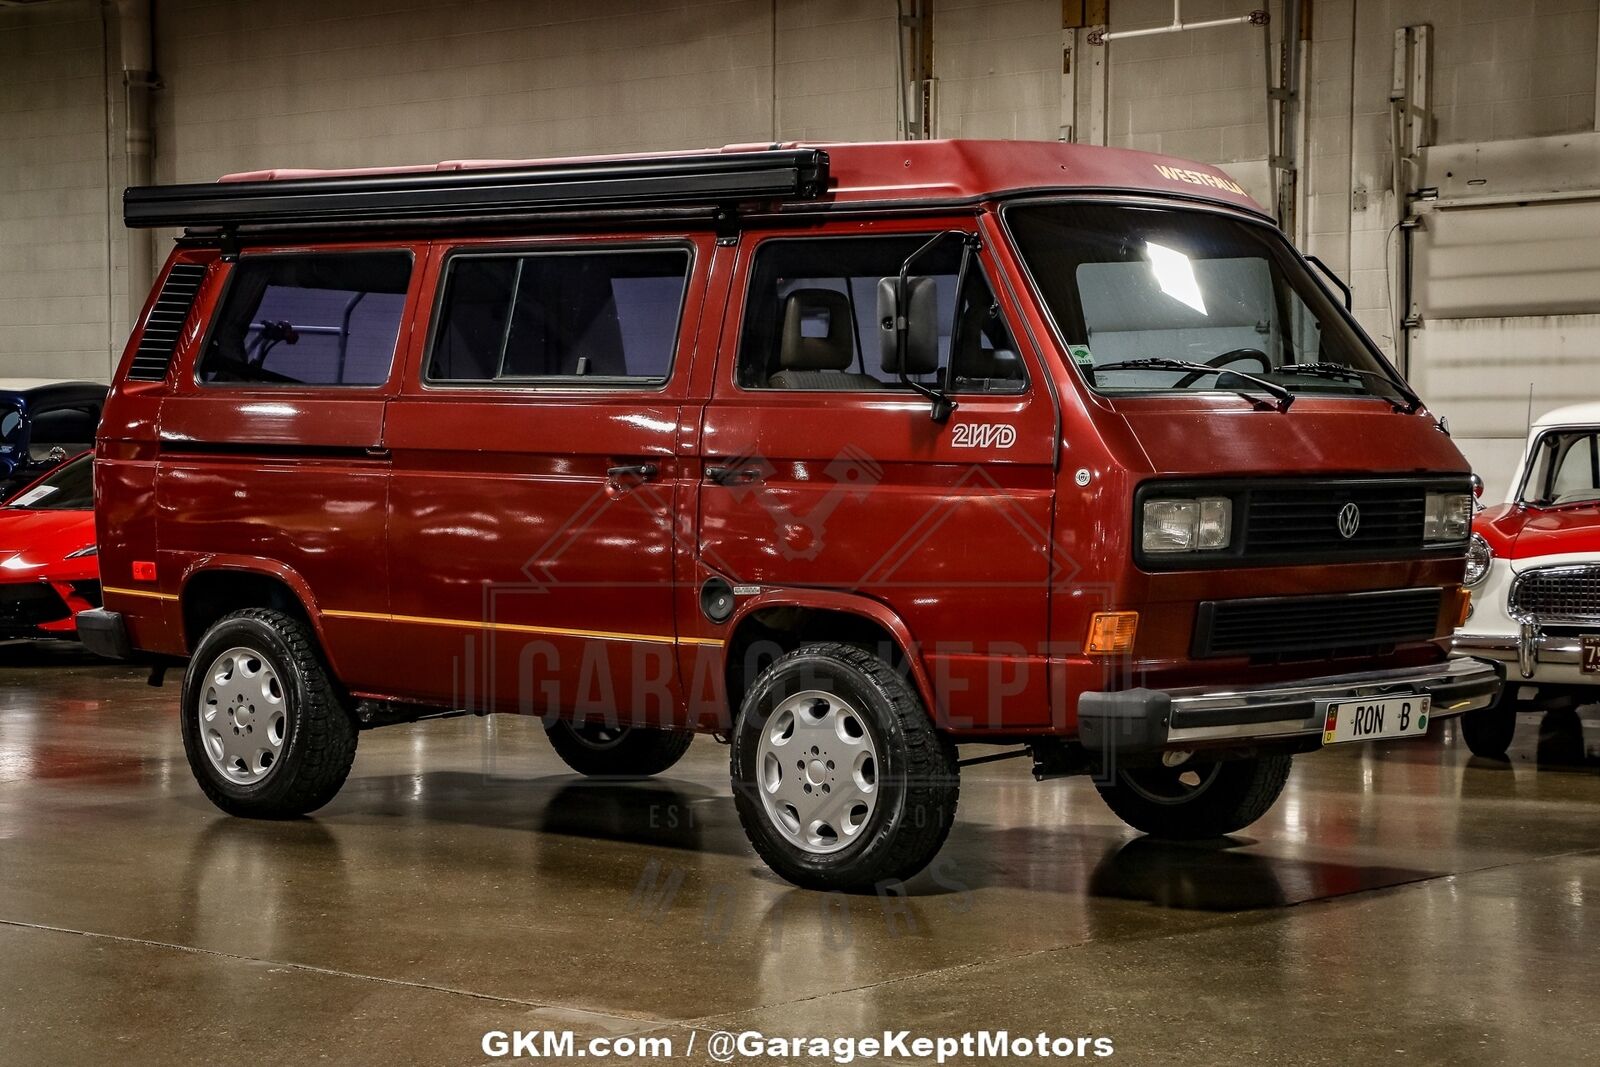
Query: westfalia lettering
{"points": [[1196, 177]]}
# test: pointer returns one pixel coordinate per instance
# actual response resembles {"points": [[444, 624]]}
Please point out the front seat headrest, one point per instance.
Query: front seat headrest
{"points": [[805, 311]]}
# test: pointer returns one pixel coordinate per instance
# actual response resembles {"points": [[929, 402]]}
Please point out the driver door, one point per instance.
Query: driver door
{"points": [[823, 472]]}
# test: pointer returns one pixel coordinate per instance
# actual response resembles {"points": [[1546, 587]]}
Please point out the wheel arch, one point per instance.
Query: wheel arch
{"points": [[775, 623], [221, 585]]}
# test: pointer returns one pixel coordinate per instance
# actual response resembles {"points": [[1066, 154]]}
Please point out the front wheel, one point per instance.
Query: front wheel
{"points": [[839, 777], [1488, 731], [1196, 800], [265, 731], [599, 749]]}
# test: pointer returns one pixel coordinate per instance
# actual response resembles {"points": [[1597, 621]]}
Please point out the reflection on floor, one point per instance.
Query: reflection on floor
{"points": [[1401, 902]]}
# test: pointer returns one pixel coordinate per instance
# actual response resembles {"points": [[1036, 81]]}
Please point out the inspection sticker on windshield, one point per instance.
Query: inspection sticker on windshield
{"points": [[1080, 355], [1371, 720], [33, 496]]}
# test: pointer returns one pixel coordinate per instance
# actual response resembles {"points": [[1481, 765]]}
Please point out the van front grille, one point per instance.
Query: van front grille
{"points": [[1303, 520], [1316, 626], [1312, 521]]}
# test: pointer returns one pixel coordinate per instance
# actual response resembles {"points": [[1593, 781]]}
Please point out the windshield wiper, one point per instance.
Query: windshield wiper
{"points": [[1339, 370], [1285, 397]]}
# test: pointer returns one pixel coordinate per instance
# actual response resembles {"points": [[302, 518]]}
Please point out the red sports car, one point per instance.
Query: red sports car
{"points": [[49, 566]]}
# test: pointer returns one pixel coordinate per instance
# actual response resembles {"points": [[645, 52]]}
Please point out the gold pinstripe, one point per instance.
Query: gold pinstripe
{"points": [[521, 628]]}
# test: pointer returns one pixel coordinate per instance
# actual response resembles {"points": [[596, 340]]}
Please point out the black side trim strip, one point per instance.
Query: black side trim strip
{"points": [[265, 450]]}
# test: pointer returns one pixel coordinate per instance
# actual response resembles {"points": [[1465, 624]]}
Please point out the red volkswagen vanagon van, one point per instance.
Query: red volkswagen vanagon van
{"points": [[848, 455]]}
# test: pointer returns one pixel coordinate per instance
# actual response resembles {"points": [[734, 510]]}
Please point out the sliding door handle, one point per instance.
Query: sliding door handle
{"points": [[636, 472]]}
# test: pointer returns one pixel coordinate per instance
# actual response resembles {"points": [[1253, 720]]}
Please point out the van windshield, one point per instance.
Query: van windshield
{"points": [[1133, 288]]}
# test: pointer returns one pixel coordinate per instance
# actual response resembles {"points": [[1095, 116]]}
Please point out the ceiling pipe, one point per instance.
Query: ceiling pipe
{"points": [[135, 36], [1254, 18]]}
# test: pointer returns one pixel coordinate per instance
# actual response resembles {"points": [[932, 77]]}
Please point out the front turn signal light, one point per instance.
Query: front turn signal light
{"points": [[1111, 632], [1463, 607]]}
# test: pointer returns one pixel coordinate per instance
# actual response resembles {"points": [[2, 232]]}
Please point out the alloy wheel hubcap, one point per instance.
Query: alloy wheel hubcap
{"points": [[599, 736], [1172, 785], [817, 771], [242, 716]]}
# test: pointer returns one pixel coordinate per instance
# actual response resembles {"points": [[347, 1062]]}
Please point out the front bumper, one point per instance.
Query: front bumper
{"points": [[1538, 656], [1148, 721]]}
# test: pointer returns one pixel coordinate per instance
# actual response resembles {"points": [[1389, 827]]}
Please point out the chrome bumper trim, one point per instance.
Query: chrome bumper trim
{"points": [[1527, 650], [1138, 723]]}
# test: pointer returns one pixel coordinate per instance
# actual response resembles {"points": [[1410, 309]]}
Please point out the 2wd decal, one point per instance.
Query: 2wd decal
{"points": [[983, 435]]}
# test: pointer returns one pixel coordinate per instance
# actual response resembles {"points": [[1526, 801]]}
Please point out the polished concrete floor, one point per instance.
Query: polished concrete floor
{"points": [[1403, 903]]}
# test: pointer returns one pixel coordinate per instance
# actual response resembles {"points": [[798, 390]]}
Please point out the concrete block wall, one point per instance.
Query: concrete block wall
{"points": [[999, 68], [55, 284], [1200, 95], [368, 82], [332, 83], [835, 72]]}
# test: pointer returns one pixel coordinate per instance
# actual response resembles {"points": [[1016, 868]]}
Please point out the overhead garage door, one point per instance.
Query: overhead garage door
{"points": [[1509, 300]]}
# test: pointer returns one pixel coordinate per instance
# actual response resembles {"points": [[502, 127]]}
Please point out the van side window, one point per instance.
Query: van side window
{"points": [[317, 318], [811, 319], [580, 317]]}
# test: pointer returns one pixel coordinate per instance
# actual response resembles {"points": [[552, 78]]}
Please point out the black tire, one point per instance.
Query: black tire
{"points": [[318, 734], [1223, 798], [917, 784], [617, 751], [1488, 731]]}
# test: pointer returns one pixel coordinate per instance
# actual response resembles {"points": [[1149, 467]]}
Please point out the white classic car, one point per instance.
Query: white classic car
{"points": [[1533, 566]]}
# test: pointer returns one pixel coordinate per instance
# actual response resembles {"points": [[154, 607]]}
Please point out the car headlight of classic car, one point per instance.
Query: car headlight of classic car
{"points": [[1196, 524], [1479, 556]]}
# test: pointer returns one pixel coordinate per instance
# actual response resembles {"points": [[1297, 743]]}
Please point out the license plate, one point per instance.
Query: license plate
{"points": [[1590, 645], [1372, 720]]}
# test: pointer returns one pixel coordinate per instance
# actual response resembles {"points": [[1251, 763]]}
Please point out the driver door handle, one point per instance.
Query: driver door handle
{"points": [[732, 475]]}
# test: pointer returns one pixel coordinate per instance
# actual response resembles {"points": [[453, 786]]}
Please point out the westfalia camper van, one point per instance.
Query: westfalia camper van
{"points": [[848, 455]]}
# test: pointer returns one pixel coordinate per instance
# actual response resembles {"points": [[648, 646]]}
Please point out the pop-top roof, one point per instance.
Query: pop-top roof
{"points": [[894, 172]]}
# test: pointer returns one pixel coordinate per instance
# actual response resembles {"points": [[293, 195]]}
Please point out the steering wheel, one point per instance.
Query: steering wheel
{"points": [[1231, 356]]}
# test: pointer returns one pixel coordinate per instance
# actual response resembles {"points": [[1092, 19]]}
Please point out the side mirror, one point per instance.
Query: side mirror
{"points": [[920, 321], [1338, 282]]}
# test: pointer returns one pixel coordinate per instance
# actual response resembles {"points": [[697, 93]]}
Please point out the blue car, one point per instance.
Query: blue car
{"points": [[43, 425]]}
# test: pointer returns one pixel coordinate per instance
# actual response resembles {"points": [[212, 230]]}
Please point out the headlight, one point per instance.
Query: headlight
{"points": [[1446, 517], [86, 550], [1479, 556], [1187, 525]]}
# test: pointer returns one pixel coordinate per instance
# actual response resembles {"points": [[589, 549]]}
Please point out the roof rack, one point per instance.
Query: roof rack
{"points": [[715, 179]]}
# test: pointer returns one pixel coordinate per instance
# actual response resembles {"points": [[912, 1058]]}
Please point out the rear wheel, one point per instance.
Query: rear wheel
{"points": [[1196, 800], [598, 749], [839, 777], [265, 731]]}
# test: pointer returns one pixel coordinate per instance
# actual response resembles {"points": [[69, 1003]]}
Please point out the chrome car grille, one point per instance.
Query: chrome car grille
{"points": [[1557, 595]]}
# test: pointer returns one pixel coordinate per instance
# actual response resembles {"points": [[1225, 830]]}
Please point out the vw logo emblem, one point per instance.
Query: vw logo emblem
{"points": [[1349, 521]]}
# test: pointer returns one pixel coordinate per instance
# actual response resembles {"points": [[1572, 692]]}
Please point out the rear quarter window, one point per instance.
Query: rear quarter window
{"points": [[317, 318]]}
